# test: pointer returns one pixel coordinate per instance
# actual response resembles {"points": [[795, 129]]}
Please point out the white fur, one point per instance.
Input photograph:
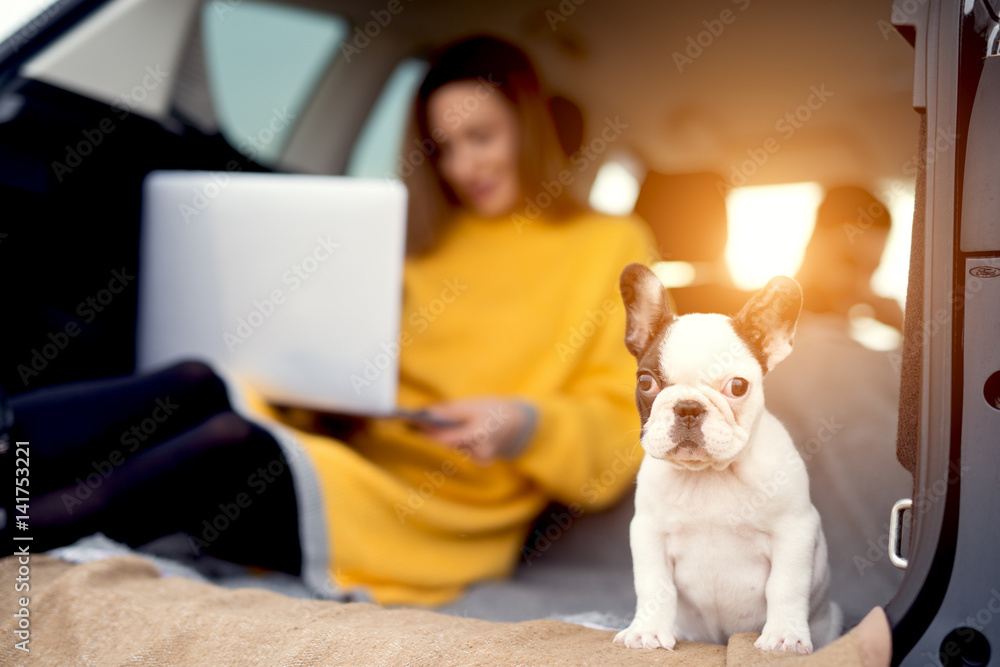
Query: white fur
{"points": [[725, 539]]}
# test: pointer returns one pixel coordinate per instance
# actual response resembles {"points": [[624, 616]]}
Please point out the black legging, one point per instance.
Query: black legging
{"points": [[141, 457]]}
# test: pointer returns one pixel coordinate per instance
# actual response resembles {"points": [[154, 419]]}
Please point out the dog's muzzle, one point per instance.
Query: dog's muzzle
{"points": [[686, 430], [689, 413]]}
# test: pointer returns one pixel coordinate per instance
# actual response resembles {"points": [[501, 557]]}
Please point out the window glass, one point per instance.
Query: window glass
{"points": [[27, 16], [263, 62], [376, 152]]}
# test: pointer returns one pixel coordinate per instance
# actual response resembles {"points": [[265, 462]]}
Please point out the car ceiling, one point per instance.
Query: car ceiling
{"points": [[618, 60]]}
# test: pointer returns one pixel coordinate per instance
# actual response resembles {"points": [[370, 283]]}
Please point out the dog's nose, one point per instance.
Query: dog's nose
{"points": [[689, 412]]}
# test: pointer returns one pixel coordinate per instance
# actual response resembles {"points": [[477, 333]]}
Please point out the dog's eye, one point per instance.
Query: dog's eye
{"points": [[736, 387], [648, 384]]}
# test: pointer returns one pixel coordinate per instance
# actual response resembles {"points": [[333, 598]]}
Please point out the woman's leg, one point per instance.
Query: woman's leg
{"points": [[83, 428], [225, 482], [142, 457]]}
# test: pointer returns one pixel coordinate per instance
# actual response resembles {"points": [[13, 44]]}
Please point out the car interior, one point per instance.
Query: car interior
{"points": [[720, 125]]}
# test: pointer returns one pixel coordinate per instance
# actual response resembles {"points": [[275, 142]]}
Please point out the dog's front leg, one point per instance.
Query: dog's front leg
{"points": [[656, 595], [789, 585]]}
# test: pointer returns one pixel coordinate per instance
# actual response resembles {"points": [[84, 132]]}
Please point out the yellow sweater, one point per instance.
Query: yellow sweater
{"points": [[529, 311]]}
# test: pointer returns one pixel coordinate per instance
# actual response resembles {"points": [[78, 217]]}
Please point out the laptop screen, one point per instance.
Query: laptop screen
{"points": [[292, 282]]}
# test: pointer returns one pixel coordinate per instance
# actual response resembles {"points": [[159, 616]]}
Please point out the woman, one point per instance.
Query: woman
{"points": [[511, 341]]}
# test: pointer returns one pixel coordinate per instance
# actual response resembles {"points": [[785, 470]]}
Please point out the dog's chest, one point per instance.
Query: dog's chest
{"points": [[714, 557], [721, 581], [720, 558]]}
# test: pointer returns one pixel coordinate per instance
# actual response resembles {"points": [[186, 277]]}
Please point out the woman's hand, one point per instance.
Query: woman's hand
{"points": [[487, 428]]}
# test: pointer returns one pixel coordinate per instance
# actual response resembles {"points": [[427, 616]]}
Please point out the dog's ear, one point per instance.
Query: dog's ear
{"points": [[767, 321], [647, 308]]}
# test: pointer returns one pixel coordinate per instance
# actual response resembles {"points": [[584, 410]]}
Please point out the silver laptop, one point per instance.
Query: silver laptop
{"points": [[293, 282]]}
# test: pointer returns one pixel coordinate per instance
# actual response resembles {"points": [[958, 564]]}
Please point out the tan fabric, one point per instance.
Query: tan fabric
{"points": [[844, 652], [121, 611]]}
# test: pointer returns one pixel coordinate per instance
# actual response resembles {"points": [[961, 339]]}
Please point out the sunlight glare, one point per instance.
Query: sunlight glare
{"points": [[769, 227], [615, 189]]}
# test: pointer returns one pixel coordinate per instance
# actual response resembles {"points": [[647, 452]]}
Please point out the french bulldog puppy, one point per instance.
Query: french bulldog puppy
{"points": [[725, 538]]}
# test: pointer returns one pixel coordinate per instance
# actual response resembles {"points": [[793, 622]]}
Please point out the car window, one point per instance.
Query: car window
{"points": [[263, 62], [376, 153], [616, 185], [25, 17]]}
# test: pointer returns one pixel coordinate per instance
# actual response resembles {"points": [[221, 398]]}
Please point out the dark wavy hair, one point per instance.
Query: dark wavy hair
{"points": [[507, 69]]}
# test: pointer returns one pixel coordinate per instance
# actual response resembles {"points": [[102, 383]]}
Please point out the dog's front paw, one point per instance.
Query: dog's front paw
{"points": [[784, 637], [646, 636]]}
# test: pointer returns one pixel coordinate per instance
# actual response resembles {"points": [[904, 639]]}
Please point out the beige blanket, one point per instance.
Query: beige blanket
{"points": [[121, 611]]}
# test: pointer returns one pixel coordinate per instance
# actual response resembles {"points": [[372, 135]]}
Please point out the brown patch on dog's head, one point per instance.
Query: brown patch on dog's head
{"points": [[647, 319], [767, 321], [647, 308]]}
